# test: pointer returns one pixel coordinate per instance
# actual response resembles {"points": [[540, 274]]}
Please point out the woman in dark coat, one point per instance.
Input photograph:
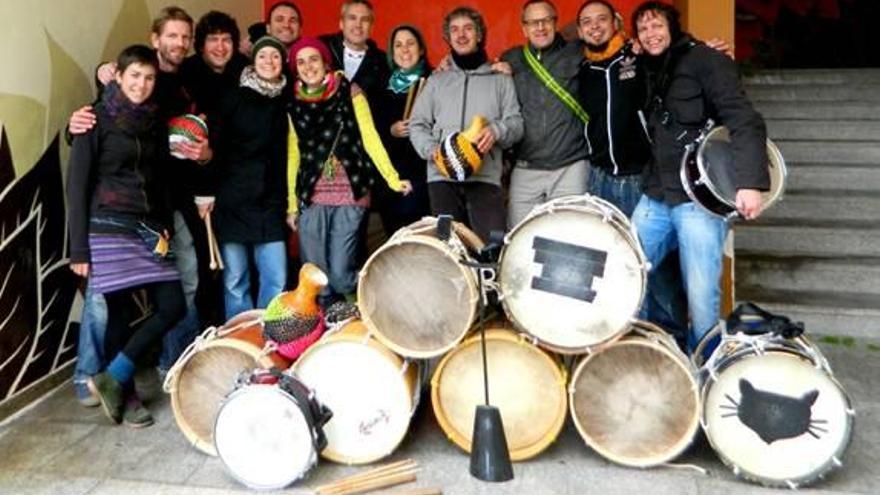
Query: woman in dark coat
{"points": [[408, 59], [120, 222], [250, 181]]}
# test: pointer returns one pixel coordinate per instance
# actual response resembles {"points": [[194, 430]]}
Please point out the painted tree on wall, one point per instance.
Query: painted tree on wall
{"points": [[36, 287]]}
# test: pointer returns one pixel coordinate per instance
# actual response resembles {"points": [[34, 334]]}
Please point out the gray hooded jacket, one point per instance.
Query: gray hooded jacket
{"points": [[448, 103]]}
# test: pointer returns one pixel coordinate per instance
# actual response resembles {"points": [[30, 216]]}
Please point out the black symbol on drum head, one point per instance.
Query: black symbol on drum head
{"points": [[568, 269], [772, 416]]}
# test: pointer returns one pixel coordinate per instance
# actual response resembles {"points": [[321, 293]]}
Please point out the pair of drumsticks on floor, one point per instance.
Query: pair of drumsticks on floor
{"points": [[396, 473], [215, 260]]}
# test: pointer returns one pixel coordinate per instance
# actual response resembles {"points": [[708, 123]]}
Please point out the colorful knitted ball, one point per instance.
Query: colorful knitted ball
{"points": [[457, 157], [185, 128]]}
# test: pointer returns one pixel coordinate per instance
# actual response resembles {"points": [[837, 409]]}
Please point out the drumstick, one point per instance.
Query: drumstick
{"points": [[389, 473], [373, 484], [409, 100], [212, 263], [212, 244]]}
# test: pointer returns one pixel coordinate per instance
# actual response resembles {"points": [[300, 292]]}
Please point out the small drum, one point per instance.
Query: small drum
{"points": [[206, 372], [572, 273], [773, 410], [526, 384], [636, 401], [414, 295], [372, 392], [708, 174], [269, 430]]}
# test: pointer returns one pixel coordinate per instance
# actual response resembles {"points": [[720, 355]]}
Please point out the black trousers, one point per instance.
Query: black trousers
{"points": [[135, 342], [478, 205]]}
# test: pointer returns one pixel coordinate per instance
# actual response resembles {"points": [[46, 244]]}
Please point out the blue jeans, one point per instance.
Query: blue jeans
{"points": [[699, 238], [623, 192], [185, 330], [90, 348], [271, 261]]}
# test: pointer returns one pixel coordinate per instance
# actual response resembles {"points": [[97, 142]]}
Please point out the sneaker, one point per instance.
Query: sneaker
{"points": [[109, 392], [84, 395], [135, 414]]}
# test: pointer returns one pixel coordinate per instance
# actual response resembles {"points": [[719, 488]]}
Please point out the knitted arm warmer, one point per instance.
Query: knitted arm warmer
{"points": [[292, 167], [373, 143]]}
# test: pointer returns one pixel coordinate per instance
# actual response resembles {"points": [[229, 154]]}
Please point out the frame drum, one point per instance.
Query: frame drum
{"points": [[206, 372], [371, 391], [413, 294], [527, 385], [636, 401], [572, 274]]}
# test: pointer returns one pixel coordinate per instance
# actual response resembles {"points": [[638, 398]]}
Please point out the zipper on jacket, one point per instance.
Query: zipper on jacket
{"points": [[608, 114], [464, 101]]}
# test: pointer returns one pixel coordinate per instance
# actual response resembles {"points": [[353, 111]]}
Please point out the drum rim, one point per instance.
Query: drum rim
{"points": [[510, 336], [680, 446], [206, 445], [827, 467], [470, 279], [367, 340], [566, 203], [313, 457]]}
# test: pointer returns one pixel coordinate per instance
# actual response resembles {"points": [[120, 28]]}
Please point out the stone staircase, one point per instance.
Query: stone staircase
{"points": [[815, 256]]}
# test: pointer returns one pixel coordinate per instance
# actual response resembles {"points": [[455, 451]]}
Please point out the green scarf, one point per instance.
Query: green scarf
{"points": [[401, 79], [546, 78]]}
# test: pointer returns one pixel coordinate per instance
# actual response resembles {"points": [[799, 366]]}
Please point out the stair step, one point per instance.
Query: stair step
{"points": [[755, 273], [823, 130], [820, 205], [814, 76], [826, 319], [830, 151], [814, 92], [832, 177], [830, 239], [818, 110]]}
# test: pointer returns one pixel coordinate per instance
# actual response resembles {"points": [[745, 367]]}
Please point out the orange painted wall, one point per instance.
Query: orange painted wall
{"points": [[502, 17]]}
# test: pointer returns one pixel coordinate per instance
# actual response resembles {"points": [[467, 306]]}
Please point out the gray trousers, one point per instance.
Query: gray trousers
{"points": [[531, 187], [328, 237]]}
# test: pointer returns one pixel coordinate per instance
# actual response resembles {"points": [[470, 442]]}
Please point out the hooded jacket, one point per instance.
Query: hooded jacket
{"points": [[448, 103]]}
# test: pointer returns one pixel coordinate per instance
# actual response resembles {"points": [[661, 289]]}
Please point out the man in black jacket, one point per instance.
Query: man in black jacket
{"points": [[688, 84]]}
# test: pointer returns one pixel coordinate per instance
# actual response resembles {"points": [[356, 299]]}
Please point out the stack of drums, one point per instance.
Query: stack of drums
{"points": [[206, 373]]}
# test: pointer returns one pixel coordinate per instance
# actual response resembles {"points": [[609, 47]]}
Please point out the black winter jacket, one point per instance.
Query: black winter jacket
{"points": [[372, 76], [249, 170], [687, 85], [612, 92]]}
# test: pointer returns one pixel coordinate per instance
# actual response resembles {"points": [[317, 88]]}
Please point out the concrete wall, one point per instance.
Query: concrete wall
{"points": [[48, 53]]}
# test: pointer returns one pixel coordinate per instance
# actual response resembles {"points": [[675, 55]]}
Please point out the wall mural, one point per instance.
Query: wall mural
{"points": [[54, 48]]}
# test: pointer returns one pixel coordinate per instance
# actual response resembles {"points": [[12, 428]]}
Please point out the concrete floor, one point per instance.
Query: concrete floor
{"points": [[58, 447]]}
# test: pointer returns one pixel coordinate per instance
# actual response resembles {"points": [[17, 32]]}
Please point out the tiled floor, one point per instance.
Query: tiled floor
{"points": [[61, 448]]}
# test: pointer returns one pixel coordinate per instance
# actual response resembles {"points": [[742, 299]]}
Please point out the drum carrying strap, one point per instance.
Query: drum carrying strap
{"points": [[751, 319], [546, 78]]}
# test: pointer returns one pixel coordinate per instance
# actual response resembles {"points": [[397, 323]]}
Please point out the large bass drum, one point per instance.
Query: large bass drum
{"points": [[636, 401], [527, 386], [572, 274], [708, 174], [206, 372], [414, 294], [773, 410], [372, 392]]}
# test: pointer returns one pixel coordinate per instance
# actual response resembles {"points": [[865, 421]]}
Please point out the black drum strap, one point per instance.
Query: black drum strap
{"points": [[751, 319]]}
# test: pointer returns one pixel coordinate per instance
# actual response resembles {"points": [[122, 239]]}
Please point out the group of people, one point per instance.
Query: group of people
{"points": [[306, 134]]}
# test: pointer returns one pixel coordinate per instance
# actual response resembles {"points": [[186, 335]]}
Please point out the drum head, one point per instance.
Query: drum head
{"points": [[635, 402], [263, 437], [571, 279], [776, 418], [527, 386], [371, 400], [415, 296]]}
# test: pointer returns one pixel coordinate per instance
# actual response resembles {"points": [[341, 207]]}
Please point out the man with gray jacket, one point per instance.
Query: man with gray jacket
{"points": [[551, 159], [448, 103]]}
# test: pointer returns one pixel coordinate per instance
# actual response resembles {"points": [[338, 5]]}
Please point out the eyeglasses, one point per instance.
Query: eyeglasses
{"points": [[544, 21]]}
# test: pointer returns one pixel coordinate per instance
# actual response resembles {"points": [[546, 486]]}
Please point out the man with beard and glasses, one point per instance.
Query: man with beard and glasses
{"points": [[551, 158], [450, 100], [689, 84], [171, 37]]}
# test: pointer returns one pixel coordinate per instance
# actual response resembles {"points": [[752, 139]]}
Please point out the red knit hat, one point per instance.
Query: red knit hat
{"points": [[309, 42]]}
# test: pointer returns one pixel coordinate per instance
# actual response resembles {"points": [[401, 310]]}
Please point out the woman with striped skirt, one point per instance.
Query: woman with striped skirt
{"points": [[120, 216]]}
